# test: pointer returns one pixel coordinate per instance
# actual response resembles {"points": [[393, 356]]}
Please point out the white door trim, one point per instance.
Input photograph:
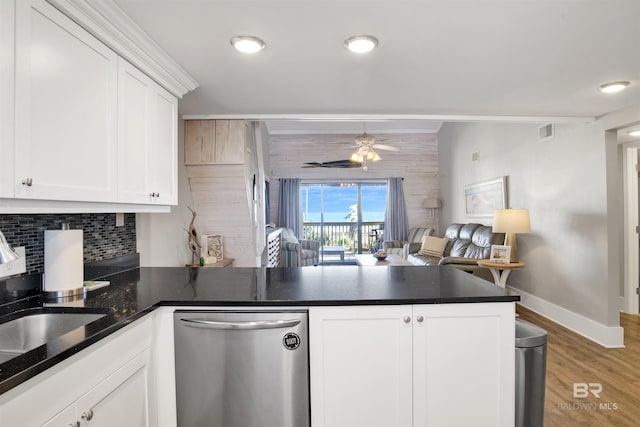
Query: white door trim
{"points": [[631, 239]]}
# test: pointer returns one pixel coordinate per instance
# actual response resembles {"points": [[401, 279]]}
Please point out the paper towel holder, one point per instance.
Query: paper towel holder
{"points": [[77, 288]]}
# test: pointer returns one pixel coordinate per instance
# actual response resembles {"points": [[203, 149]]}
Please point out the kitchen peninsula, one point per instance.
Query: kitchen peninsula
{"points": [[406, 346]]}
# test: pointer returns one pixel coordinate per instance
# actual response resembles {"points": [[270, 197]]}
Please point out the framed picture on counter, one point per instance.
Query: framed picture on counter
{"points": [[212, 248]]}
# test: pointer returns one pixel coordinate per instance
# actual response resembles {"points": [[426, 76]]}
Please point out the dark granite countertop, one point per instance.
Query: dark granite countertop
{"points": [[134, 293]]}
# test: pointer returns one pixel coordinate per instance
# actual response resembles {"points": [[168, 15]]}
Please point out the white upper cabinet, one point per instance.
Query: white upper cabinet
{"points": [[7, 50], [147, 139], [65, 109]]}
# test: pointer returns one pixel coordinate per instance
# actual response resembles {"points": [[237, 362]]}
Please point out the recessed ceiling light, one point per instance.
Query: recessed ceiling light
{"points": [[361, 44], [614, 86], [634, 133], [247, 44]]}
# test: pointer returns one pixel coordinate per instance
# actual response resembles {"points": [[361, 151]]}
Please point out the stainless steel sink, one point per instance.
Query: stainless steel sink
{"points": [[32, 330]]}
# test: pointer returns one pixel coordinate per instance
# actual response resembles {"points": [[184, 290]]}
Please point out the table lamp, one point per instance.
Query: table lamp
{"points": [[511, 222]]}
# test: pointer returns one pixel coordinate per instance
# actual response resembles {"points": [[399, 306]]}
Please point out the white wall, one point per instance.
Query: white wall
{"points": [[570, 185], [162, 239]]}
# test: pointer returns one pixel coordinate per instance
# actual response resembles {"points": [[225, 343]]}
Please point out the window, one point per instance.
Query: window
{"points": [[344, 215]]}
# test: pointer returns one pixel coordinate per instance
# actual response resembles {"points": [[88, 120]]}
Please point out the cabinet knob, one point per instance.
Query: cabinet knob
{"points": [[152, 195], [27, 182], [419, 319], [87, 415], [76, 424], [406, 319], [157, 194]]}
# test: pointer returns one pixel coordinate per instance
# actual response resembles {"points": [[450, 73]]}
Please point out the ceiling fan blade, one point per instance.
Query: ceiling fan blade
{"points": [[385, 147], [333, 164]]}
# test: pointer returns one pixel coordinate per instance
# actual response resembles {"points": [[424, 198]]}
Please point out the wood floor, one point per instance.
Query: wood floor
{"points": [[574, 359]]}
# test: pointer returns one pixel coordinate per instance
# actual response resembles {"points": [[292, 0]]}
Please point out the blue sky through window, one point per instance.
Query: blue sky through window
{"points": [[338, 200]]}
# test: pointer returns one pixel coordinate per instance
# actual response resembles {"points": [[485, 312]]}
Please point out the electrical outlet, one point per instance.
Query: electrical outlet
{"points": [[17, 266]]}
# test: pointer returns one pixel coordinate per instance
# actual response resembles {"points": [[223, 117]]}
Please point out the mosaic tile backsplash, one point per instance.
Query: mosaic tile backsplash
{"points": [[102, 239]]}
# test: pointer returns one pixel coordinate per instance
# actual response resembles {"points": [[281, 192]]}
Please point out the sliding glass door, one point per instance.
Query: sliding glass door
{"points": [[347, 218]]}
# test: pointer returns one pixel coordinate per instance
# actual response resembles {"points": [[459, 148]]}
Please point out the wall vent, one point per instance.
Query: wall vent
{"points": [[545, 132]]}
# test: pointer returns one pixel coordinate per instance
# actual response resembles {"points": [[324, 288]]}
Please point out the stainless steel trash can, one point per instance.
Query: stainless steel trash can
{"points": [[531, 370]]}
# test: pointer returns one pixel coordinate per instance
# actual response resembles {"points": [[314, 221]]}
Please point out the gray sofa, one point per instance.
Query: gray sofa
{"points": [[467, 243], [403, 248]]}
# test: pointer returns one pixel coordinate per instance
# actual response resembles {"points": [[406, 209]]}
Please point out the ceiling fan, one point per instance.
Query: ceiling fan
{"points": [[364, 152]]}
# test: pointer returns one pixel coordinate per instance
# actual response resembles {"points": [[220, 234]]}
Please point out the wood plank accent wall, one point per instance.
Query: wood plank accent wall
{"points": [[417, 162], [220, 200]]}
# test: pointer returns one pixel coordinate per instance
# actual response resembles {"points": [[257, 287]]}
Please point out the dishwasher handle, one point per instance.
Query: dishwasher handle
{"points": [[243, 326]]}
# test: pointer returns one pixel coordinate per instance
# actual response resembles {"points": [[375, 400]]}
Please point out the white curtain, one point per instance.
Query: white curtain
{"points": [[395, 217], [289, 208]]}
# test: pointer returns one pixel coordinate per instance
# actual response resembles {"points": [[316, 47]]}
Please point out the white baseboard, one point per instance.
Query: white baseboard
{"points": [[606, 336]]}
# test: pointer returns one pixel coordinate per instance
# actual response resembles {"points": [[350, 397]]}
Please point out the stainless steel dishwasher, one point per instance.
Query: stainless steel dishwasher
{"points": [[242, 368]]}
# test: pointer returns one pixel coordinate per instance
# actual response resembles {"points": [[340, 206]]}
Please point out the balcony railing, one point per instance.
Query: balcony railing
{"points": [[345, 234]]}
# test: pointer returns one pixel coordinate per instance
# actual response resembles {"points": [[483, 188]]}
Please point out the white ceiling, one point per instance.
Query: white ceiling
{"points": [[435, 57]]}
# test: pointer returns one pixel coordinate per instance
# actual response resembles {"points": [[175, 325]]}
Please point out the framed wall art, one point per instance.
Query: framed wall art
{"points": [[484, 198]]}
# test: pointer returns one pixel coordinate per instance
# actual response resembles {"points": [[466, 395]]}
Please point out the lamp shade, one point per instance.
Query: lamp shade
{"points": [[511, 221], [6, 253], [431, 203]]}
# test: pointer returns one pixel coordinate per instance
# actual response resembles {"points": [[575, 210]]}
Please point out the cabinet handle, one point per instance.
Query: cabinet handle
{"points": [[406, 319], [152, 195], [27, 182], [87, 415], [76, 424], [419, 319]]}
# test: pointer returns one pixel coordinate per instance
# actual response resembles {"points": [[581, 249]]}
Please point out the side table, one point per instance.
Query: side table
{"points": [[500, 271]]}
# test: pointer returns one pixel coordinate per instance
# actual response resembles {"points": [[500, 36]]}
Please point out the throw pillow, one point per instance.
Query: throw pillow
{"points": [[288, 236], [433, 246]]}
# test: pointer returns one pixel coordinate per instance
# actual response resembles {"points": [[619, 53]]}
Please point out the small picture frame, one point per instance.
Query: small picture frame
{"points": [[211, 247], [500, 254]]}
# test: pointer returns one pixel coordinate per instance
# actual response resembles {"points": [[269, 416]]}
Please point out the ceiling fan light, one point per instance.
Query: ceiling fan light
{"points": [[375, 157], [614, 87], [356, 157], [361, 43], [248, 44]]}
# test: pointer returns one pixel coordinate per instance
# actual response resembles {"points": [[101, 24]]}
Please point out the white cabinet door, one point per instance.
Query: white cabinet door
{"points": [[360, 364], [163, 150], [7, 49], [65, 108], [66, 418], [464, 365], [120, 400], [147, 139], [134, 123]]}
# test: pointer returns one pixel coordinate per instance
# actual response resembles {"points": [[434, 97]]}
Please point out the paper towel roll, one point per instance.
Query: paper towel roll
{"points": [[63, 260]]}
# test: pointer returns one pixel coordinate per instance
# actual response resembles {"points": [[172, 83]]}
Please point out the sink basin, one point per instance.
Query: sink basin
{"points": [[36, 328]]}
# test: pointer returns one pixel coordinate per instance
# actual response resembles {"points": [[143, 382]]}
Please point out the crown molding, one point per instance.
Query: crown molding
{"points": [[107, 22]]}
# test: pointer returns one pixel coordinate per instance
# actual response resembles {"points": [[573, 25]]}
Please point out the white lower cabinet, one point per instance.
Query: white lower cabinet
{"points": [[421, 365], [105, 385]]}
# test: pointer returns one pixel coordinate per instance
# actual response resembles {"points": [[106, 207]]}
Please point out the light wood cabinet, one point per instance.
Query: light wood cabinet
{"points": [[421, 365], [147, 139], [65, 109], [210, 142]]}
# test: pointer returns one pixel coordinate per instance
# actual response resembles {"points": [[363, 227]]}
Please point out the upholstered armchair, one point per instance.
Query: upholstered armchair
{"points": [[405, 247], [298, 253]]}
